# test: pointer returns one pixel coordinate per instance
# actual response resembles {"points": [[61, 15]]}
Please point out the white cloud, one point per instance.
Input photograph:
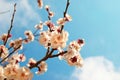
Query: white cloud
{"points": [[24, 16], [27, 12], [96, 68]]}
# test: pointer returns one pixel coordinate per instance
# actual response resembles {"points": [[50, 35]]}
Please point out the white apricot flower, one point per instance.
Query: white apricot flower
{"points": [[49, 24], [76, 45], [16, 58], [3, 51], [68, 17], [25, 74], [16, 43], [29, 36], [76, 60], [11, 71], [44, 38], [73, 56], [51, 14], [39, 26], [4, 37], [11, 43], [13, 59], [61, 21], [42, 68], [59, 39], [31, 62], [2, 73]]}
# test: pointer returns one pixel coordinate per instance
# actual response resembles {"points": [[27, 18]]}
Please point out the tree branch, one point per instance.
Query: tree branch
{"points": [[43, 59], [65, 12], [48, 11], [48, 50], [11, 24], [56, 55], [66, 9], [35, 32]]}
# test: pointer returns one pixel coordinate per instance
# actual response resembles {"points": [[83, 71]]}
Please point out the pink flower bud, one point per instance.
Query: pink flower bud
{"points": [[80, 42]]}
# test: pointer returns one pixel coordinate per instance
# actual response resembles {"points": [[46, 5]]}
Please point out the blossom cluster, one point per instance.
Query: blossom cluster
{"points": [[10, 68], [13, 71], [73, 56], [54, 38]]}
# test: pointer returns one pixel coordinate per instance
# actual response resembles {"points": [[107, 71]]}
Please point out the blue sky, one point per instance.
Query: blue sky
{"points": [[97, 21]]}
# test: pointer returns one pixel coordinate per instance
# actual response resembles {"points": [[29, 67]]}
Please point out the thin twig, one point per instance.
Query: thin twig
{"points": [[65, 12], [11, 24], [35, 32], [51, 52], [48, 11], [49, 17], [67, 5], [48, 50], [56, 55], [43, 59]]}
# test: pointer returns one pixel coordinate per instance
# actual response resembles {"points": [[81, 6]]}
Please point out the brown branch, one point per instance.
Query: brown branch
{"points": [[65, 12], [43, 59], [47, 57], [11, 24], [66, 9], [51, 52], [49, 18], [10, 54], [56, 55], [48, 11], [38, 62], [48, 50], [35, 31]]}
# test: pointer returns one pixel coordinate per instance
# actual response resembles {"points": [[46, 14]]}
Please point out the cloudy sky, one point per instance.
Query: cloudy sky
{"points": [[97, 21]]}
